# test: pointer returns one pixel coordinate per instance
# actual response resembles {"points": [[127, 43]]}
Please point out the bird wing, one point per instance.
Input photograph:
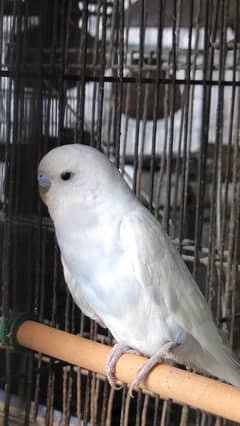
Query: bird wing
{"points": [[160, 269], [78, 296]]}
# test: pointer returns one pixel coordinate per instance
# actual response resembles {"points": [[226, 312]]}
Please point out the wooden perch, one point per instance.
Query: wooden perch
{"points": [[169, 382]]}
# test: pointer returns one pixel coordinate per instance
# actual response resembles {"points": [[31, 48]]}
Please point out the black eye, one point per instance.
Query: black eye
{"points": [[66, 175]]}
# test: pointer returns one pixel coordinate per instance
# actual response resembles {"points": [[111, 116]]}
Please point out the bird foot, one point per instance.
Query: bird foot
{"points": [[158, 358], [117, 351]]}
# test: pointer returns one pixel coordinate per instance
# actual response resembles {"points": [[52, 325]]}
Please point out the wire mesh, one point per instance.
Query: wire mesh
{"points": [[155, 85]]}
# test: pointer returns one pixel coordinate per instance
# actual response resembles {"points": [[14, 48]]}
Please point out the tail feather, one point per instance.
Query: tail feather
{"points": [[224, 366]]}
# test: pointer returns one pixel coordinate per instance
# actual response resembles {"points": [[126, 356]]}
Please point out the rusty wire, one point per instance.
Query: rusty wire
{"points": [[57, 90]]}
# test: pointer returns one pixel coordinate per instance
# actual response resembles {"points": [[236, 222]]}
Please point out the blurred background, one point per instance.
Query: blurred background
{"points": [[154, 84]]}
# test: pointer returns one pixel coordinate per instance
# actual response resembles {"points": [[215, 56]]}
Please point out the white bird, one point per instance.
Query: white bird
{"points": [[123, 271]]}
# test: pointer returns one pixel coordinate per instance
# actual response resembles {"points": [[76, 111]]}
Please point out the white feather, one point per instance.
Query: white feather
{"points": [[121, 267]]}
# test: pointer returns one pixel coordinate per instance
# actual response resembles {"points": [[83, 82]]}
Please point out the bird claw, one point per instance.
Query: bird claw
{"points": [[133, 387], [117, 351], [110, 371], [144, 370]]}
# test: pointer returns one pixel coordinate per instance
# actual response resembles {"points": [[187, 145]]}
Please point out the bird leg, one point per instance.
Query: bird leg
{"points": [[117, 351], [158, 358]]}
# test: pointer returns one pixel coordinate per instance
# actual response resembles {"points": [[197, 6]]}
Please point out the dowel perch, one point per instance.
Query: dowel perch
{"points": [[169, 382]]}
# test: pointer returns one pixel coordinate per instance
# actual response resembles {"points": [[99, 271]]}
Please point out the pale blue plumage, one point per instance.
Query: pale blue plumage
{"points": [[121, 267]]}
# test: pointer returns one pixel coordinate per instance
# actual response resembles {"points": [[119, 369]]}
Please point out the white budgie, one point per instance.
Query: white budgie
{"points": [[122, 269]]}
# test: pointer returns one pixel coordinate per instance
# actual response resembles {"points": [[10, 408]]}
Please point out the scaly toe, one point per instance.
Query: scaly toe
{"points": [[112, 380], [133, 387], [141, 374], [117, 351], [145, 369]]}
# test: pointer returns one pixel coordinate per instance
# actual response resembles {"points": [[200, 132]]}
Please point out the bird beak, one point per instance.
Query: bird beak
{"points": [[44, 186]]}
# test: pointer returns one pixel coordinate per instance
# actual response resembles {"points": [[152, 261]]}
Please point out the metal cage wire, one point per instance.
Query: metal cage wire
{"points": [[155, 85]]}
